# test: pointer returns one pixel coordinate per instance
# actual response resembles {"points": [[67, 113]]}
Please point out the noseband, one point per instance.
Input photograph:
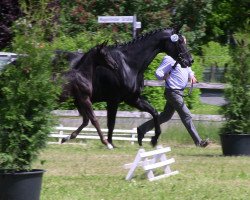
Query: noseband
{"points": [[179, 59]]}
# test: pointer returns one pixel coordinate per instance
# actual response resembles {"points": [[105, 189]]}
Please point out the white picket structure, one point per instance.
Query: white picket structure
{"points": [[91, 133], [150, 161]]}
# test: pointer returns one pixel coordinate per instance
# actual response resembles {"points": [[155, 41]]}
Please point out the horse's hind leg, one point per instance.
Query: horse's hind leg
{"points": [[91, 115]]}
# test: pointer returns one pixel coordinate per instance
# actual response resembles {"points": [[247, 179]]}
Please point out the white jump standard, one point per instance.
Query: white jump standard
{"points": [[150, 161]]}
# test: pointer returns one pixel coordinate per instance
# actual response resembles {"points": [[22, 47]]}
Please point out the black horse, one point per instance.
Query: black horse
{"points": [[126, 84], [78, 84]]}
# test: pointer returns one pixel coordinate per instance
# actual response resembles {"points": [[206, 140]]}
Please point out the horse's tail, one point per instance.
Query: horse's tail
{"points": [[75, 85]]}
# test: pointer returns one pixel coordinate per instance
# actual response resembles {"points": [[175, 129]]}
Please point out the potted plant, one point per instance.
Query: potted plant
{"points": [[27, 97], [235, 134]]}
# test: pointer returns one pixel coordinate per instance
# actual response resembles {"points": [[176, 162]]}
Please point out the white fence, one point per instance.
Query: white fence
{"points": [[215, 86], [91, 133], [124, 134]]}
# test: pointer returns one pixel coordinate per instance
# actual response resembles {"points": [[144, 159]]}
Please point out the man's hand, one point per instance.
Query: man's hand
{"points": [[193, 80]]}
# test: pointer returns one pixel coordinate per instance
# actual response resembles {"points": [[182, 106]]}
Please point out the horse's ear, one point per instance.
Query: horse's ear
{"points": [[105, 43], [177, 27], [102, 45]]}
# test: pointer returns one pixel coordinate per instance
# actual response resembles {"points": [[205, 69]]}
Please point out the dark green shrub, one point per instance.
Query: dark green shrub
{"points": [[27, 97], [237, 111]]}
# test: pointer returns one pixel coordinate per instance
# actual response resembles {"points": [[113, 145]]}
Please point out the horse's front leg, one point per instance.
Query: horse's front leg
{"points": [[111, 117], [91, 115], [143, 105]]}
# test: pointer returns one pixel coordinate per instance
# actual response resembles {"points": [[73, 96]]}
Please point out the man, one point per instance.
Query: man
{"points": [[176, 79]]}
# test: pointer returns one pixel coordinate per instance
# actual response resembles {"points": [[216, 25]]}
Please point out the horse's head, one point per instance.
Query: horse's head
{"points": [[176, 47], [104, 57]]}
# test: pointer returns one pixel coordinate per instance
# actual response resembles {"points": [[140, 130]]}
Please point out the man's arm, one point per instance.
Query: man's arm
{"points": [[191, 76], [165, 67]]}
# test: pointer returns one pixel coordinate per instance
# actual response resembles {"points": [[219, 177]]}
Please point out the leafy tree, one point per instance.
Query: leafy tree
{"points": [[215, 54], [82, 15], [227, 17], [192, 15]]}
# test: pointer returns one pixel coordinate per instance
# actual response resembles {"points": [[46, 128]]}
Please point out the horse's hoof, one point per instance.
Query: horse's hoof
{"points": [[154, 141], [63, 140], [139, 137], [110, 146], [111, 142]]}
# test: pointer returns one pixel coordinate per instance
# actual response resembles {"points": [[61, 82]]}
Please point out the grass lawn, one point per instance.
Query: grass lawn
{"points": [[90, 171], [206, 109]]}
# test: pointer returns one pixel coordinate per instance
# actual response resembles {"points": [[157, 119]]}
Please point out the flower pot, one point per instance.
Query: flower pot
{"points": [[235, 144], [23, 185]]}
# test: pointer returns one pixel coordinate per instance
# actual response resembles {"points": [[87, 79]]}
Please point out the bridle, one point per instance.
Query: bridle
{"points": [[180, 57], [180, 60]]}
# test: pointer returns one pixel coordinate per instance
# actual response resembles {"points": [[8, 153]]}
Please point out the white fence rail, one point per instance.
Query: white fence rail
{"points": [[91, 133], [217, 86], [136, 114], [124, 134]]}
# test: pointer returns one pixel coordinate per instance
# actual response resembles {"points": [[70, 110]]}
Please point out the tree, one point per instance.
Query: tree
{"points": [[82, 15], [227, 17], [192, 15], [215, 54]]}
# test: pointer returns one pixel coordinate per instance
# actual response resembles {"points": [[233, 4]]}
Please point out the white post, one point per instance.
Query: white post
{"points": [[134, 165], [134, 26], [61, 133]]}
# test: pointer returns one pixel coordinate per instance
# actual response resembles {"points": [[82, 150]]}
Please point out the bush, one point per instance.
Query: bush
{"points": [[237, 111], [27, 97]]}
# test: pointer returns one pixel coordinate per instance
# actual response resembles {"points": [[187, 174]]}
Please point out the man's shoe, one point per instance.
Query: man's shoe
{"points": [[140, 136], [204, 143]]}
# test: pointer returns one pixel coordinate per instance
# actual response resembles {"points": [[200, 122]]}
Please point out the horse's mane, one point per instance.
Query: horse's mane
{"points": [[84, 57], [89, 52], [140, 37]]}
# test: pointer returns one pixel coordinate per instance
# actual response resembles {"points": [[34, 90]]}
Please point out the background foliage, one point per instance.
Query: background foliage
{"points": [[72, 25]]}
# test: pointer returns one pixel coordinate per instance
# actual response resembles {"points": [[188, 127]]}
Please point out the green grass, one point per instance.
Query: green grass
{"points": [[90, 171], [206, 109], [175, 131]]}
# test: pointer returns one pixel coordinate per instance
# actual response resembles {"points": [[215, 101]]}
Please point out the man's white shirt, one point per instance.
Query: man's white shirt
{"points": [[178, 77]]}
